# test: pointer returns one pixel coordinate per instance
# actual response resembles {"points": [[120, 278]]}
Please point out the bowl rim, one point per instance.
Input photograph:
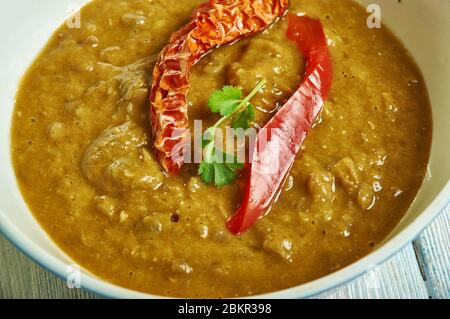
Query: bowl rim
{"points": [[101, 287], [105, 289]]}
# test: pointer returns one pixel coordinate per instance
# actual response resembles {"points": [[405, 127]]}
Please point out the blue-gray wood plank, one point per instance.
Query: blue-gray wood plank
{"points": [[421, 270], [398, 278], [433, 250]]}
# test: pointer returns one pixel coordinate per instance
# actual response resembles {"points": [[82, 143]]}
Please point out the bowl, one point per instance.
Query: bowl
{"points": [[422, 25]]}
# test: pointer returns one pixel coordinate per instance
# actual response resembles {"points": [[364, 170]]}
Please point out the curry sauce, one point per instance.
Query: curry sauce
{"points": [[81, 146]]}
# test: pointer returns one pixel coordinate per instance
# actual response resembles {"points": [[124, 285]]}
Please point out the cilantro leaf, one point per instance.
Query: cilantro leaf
{"points": [[225, 101], [236, 165], [225, 160], [217, 171], [206, 171], [228, 102], [245, 118], [223, 175], [208, 137]]}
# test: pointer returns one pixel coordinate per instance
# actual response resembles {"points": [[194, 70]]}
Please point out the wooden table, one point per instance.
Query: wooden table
{"points": [[421, 270]]}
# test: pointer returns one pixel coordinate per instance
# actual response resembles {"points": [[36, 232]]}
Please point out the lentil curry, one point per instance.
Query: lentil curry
{"points": [[81, 145]]}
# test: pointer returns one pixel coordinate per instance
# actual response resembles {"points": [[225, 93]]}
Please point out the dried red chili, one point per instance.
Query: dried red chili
{"points": [[286, 132], [215, 23]]}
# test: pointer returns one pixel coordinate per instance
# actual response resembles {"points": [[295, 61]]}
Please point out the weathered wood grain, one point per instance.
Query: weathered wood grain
{"points": [[398, 278], [22, 278], [433, 250]]}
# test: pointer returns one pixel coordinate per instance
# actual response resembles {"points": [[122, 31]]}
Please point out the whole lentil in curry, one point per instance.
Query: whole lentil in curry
{"points": [[82, 155]]}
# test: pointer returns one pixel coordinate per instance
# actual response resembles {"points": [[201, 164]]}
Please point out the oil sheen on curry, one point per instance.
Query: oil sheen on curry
{"points": [[93, 153]]}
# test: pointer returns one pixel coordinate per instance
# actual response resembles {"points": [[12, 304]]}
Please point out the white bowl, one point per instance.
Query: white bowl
{"points": [[423, 26]]}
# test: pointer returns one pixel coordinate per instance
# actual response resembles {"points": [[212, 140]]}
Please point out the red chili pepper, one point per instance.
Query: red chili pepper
{"points": [[279, 142], [214, 23]]}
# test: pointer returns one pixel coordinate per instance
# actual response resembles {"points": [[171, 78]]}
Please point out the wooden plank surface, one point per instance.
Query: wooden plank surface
{"points": [[433, 250], [400, 277], [22, 278]]}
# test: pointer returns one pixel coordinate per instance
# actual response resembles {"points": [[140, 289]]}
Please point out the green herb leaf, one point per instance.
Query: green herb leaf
{"points": [[225, 101], [208, 137], [223, 175], [218, 171], [228, 102], [206, 171], [245, 118], [236, 165]]}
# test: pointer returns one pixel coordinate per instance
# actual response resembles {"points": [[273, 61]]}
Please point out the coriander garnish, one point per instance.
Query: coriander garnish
{"points": [[215, 169]]}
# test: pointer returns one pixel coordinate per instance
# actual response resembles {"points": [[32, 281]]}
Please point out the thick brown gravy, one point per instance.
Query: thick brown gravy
{"points": [[80, 144]]}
